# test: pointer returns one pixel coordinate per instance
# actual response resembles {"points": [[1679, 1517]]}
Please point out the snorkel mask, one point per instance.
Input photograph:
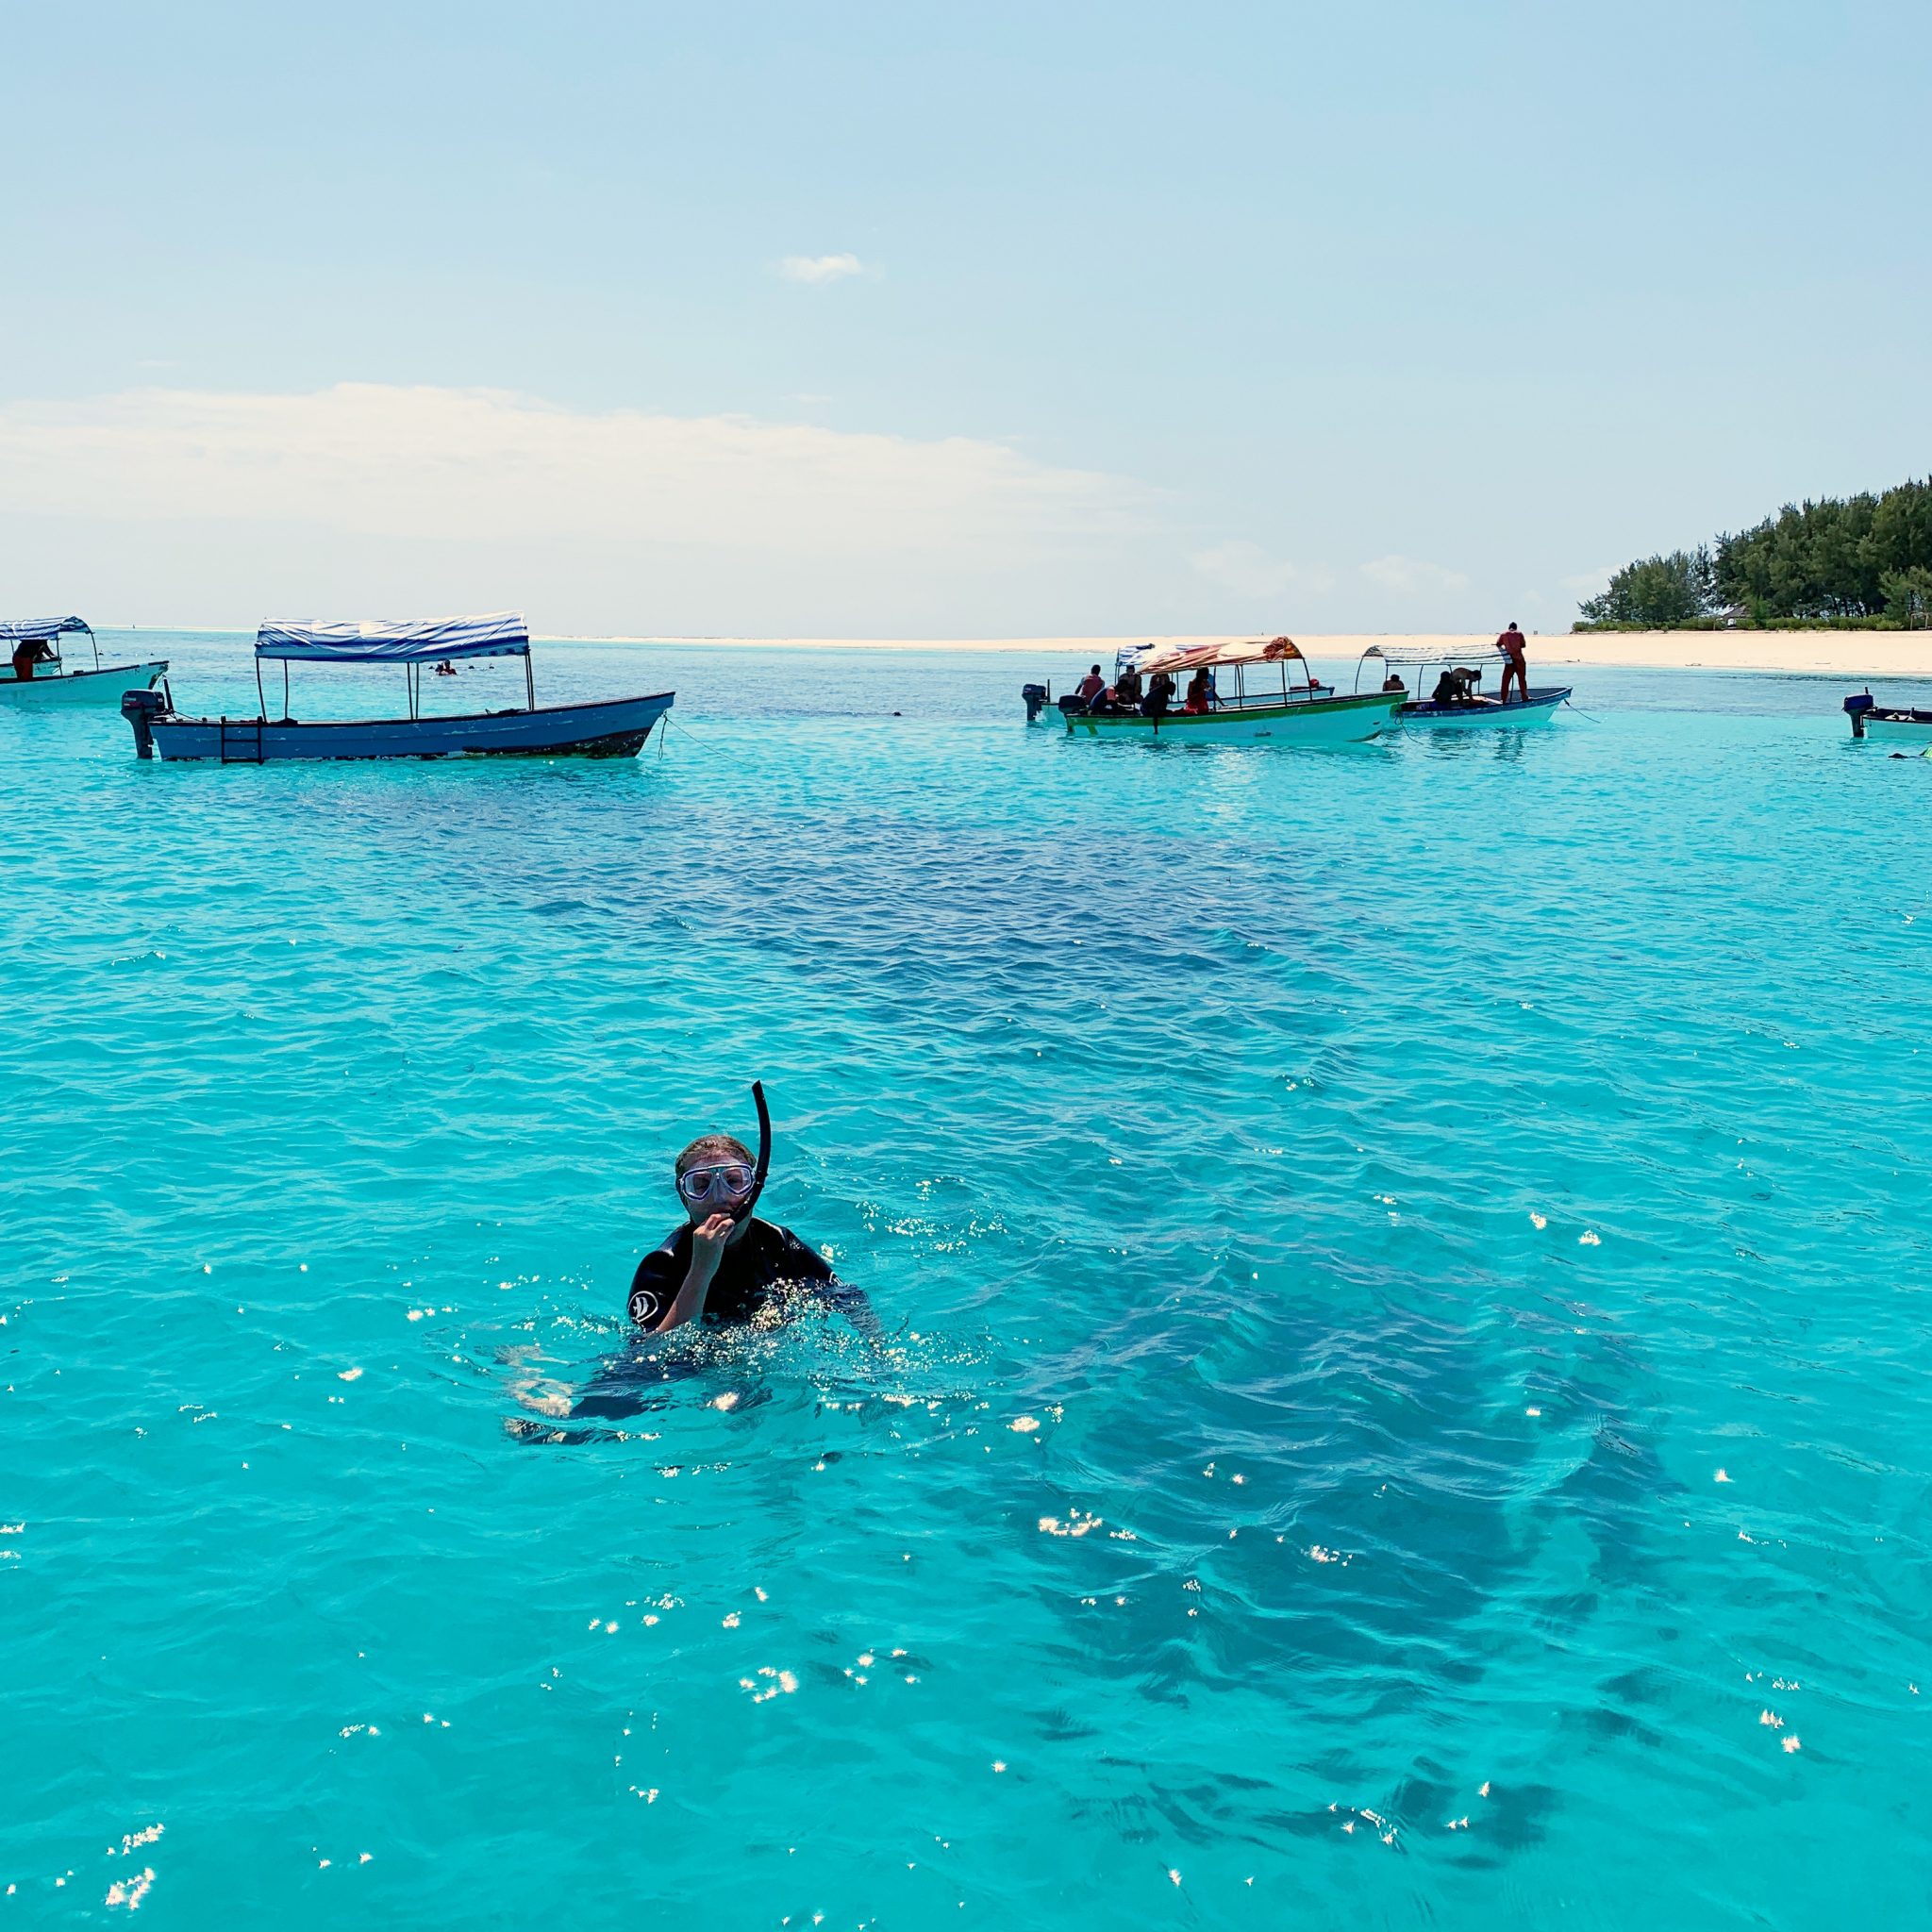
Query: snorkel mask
{"points": [[732, 1181]]}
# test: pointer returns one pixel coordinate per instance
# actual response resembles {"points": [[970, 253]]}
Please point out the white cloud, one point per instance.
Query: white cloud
{"points": [[445, 463], [227, 503], [1410, 576], [1239, 565], [819, 268]]}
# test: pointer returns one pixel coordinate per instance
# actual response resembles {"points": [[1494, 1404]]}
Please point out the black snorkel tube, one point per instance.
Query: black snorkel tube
{"points": [[743, 1213]]}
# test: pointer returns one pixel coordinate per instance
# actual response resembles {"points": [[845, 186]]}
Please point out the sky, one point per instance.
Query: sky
{"points": [[923, 320]]}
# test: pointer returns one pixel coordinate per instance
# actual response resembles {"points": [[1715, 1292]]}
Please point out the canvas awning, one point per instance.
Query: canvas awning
{"points": [[1439, 653], [504, 634], [12, 629], [1252, 651]]}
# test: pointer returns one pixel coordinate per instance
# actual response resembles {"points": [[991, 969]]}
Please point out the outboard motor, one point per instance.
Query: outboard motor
{"points": [[1855, 708], [1036, 696], [1072, 706], [141, 707]]}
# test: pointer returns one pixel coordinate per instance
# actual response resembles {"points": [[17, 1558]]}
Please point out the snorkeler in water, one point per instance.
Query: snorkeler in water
{"points": [[723, 1265]]}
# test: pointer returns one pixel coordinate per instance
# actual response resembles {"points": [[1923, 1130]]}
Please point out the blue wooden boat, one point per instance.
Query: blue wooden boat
{"points": [[605, 727], [34, 673]]}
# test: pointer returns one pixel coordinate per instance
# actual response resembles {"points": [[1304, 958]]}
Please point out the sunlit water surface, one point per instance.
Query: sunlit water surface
{"points": [[1404, 1399]]}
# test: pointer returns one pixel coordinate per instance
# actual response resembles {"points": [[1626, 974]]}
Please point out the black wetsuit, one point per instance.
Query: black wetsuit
{"points": [[752, 1271]]}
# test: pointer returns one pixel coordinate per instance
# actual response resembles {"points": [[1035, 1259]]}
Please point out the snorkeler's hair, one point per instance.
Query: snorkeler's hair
{"points": [[711, 1147]]}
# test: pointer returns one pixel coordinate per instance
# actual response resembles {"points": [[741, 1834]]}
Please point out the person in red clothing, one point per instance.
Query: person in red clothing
{"points": [[1514, 664], [27, 654]]}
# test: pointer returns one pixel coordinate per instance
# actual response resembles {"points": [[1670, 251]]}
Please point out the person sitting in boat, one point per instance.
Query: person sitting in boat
{"points": [[1200, 691], [1127, 690], [1092, 687], [29, 652], [1452, 687], [723, 1266], [1159, 698], [1393, 682]]}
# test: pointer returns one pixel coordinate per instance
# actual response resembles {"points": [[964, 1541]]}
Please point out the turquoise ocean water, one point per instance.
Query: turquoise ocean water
{"points": [[1405, 1271]]}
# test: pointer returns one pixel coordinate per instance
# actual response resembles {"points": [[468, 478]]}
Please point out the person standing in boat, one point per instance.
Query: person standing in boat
{"points": [[1515, 665]]}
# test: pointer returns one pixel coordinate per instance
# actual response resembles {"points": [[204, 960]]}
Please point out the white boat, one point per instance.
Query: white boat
{"points": [[1474, 712], [1899, 723], [1273, 711], [604, 728], [33, 672]]}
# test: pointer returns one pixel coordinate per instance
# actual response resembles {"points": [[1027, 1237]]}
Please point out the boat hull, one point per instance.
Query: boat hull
{"points": [[1302, 720], [105, 687], [1537, 708], [613, 728], [1898, 726]]}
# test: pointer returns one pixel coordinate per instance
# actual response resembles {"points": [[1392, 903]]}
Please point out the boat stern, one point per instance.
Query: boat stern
{"points": [[140, 708]]}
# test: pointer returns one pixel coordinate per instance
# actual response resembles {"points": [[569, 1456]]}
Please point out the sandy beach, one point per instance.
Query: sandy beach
{"points": [[1821, 653]]}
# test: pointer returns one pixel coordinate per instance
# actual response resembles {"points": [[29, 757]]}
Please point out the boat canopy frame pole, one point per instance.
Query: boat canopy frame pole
{"points": [[94, 641], [260, 697], [529, 678]]}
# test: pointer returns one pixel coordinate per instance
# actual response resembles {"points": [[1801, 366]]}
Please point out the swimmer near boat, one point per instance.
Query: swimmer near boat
{"points": [[723, 1266]]}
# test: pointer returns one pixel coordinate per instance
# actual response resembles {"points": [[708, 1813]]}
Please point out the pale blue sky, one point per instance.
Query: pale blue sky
{"points": [[1389, 317]]}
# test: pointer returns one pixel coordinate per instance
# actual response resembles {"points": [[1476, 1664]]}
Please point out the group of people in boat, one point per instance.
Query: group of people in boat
{"points": [[1153, 699], [1461, 685]]}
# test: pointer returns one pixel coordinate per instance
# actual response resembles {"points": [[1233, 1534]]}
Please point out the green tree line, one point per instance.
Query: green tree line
{"points": [[1860, 559]]}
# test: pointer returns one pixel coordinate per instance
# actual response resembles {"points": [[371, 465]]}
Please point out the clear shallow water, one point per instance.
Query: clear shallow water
{"points": [[1394, 1183]]}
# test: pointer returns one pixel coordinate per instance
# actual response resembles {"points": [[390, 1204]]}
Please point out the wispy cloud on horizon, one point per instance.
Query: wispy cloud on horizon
{"points": [[600, 516], [1410, 576], [455, 463], [1239, 565], [819, 268]]}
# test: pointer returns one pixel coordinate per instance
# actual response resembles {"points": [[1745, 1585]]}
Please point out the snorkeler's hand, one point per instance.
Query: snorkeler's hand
{"points": [[708, 1243]]}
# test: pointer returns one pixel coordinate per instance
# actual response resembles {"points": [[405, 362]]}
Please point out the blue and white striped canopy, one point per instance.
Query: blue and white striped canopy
{"points": [[14, 628], [504, 634]]}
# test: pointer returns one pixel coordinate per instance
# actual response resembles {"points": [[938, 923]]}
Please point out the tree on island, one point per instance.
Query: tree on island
{"points": [[1658, 592], [1860, 559]]}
